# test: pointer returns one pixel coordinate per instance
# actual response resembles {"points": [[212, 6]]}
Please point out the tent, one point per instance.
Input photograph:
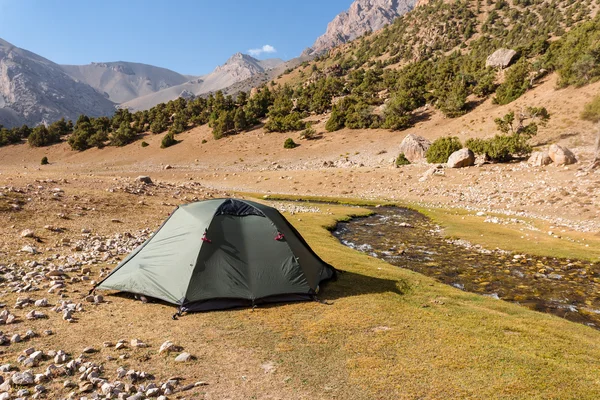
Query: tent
{"points": [[222, 253]]}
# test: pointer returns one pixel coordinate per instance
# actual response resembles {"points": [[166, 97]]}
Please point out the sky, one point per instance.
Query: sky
{"points": [[188, 36]]}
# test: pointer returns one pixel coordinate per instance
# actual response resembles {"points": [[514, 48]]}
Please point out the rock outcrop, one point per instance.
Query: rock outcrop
{"points": [[461, 158], [501, 58], [35, 90], [414, 147], [363, 16], [539, 159], [561, 155]]}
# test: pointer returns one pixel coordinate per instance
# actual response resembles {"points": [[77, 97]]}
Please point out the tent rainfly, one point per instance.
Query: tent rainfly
{"points": [[222, 253]]}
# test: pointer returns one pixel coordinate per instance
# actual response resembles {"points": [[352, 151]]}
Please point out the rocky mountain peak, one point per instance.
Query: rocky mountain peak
{"points": [[362, 16]]}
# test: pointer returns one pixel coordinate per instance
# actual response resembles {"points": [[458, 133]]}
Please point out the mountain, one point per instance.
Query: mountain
{"points": [[35, 90], [124, 81], [363, 16], [238, 68]]}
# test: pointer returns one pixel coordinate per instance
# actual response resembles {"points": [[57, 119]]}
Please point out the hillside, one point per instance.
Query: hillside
{"points": [[124, 81], [35, 90]]}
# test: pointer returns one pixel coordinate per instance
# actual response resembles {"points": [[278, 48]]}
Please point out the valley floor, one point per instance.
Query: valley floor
{"points": [[390, 334]]}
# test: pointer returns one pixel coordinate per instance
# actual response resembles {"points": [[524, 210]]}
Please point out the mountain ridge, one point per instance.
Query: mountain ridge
{"points": [[35, 90], [239, 67], [123, 81]]}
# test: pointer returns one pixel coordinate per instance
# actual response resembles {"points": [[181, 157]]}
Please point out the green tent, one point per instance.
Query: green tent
{"points": [[222, 253]]}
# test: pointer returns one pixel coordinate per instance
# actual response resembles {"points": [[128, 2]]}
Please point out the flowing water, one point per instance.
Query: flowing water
{"points": [[408, 239]]}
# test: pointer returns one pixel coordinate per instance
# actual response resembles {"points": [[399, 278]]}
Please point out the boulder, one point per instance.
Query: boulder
{"points": [[414, 147], [561, 155], [501, 58], [539, 159], [461, 158]]}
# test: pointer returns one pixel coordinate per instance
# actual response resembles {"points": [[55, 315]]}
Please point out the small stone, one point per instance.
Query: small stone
{"points": [[89, 350], [183, 357], [27, 233], [85, 387], [154, 392], [22, 378], [168, 347], [138, 343]]}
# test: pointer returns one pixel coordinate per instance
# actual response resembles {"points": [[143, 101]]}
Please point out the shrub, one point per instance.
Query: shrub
{"points": [[289, 144], [501, 148], [168, 140], [144, 144], [44, 160], [401, 160], [309, 133], [442, 148], [204, 141]]}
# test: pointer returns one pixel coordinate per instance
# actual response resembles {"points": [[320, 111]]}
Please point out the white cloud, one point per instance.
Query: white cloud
{"points": [[267, 48]]}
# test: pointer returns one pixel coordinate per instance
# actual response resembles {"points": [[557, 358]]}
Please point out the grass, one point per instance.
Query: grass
{"points": [[514, 237]]}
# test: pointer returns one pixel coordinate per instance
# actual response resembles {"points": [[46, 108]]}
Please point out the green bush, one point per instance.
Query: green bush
{"points": [[441, 149], [401, 160], [289, 144], [144, 144], [44, 160], [168, 140], [500, 148], [204, 141]]}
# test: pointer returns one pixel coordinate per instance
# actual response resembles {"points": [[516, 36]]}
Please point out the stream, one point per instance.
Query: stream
{"points": [[408, 239]]}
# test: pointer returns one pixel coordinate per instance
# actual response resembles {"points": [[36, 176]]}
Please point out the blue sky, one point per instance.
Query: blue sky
{"points": [[187, 36]]}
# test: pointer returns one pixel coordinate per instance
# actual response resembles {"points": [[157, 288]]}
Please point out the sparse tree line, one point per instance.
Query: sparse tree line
{"points": [[444, 68]]}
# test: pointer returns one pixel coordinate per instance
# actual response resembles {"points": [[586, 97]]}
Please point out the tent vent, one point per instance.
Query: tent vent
{"points": [[237, 208]]}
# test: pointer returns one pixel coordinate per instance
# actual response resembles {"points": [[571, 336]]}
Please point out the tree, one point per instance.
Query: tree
{"points": [[591, 113], [122, 136], [524, 123], [160, 123], [239, 120], [41, 136], [224, 124], [397, 113], [516, 84], [452, 102]]}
